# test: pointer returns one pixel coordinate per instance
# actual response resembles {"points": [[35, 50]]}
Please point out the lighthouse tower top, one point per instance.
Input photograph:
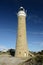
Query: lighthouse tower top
{"points": [[21, 12]]}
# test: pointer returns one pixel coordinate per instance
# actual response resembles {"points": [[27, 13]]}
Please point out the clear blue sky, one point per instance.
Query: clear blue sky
{"points": [[34, 23]]}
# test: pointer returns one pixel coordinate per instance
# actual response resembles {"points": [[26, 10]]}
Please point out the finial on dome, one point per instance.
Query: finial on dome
{"points": [[21, 7]]}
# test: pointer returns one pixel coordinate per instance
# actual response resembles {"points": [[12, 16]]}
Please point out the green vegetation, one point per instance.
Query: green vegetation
{"points": [[37, 60], [11, 52]]}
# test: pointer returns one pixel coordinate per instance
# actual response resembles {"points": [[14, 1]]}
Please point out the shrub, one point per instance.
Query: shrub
{"points": [[12, 52]]}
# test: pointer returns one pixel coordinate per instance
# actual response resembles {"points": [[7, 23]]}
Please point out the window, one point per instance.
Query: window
{"points": [[25, 54], [20, 18], [19, 52], [19, 35]]}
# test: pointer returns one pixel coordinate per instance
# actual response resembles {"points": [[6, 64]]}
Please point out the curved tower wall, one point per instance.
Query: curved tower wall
{"points": [[21, 43]]}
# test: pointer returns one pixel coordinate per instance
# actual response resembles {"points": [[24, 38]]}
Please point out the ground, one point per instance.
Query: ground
{"points": [[6, 59], [9, 60]]}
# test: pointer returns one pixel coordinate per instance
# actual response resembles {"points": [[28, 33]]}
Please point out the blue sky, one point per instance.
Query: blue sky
{"points": [[34, 23]]}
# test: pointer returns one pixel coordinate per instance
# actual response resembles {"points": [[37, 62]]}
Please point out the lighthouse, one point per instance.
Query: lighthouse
{"points": [[21, 42]]}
